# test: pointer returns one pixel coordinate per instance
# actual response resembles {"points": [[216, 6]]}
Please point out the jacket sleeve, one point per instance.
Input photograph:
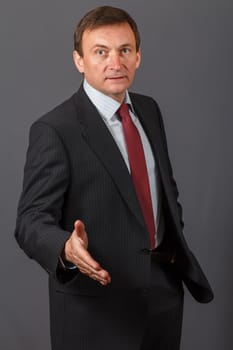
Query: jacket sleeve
{"points": [[46, 179]]}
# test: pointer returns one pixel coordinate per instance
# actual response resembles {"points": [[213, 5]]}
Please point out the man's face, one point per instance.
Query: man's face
{"points": [[109, 59]]}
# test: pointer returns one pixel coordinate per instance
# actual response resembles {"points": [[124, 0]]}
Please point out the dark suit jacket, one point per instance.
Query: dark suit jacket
{"points": [[74, 170]]}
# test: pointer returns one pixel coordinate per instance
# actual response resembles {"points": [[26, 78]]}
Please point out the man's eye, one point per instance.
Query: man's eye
{"points": [[126, 50], [100, 52]]}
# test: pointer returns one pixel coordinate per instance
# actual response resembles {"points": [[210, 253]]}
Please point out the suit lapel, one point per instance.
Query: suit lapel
{"points": [[100, 140], [150, 122]]}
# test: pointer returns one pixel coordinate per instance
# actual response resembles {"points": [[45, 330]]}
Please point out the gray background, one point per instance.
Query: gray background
{"points": [[187, 66]]}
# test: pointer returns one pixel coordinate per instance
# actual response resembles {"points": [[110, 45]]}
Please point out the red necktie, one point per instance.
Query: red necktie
{"points": [[138, 169]]}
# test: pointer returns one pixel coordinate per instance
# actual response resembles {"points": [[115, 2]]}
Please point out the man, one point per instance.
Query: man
{"points": [[99, 206]]}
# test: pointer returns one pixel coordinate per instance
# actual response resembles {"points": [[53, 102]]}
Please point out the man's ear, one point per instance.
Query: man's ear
{"points": [[138, 58], [78, 61]]}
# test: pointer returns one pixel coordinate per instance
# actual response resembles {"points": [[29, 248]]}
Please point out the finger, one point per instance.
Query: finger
{"points": [[103, 278], [85, 260], [88, 265]]}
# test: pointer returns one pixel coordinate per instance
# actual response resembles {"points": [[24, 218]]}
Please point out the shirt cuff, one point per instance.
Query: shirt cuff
{"points": [[66, 265]]}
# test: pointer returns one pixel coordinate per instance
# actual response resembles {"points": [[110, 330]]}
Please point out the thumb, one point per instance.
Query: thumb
{"points": [[79, 229]]}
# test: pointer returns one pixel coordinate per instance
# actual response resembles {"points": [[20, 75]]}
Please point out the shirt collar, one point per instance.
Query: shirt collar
{"points": [[105, 105]]}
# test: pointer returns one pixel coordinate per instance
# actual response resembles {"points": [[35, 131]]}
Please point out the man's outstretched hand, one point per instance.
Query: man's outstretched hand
{"points": [[75, 251]]}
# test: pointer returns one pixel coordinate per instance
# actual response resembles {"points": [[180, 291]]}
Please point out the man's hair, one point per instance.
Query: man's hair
{"points": [[102, 16]]}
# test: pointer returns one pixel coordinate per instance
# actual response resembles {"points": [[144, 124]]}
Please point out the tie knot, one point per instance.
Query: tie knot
{"points": [[123, 111]]}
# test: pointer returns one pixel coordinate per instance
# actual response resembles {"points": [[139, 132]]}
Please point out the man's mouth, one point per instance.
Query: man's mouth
{"points": [[116, 77]]}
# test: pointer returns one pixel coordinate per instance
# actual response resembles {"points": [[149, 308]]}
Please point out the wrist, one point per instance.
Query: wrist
{"points": [[66, 265]]}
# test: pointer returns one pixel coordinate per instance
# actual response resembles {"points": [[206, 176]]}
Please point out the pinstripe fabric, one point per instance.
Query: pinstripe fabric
{"points": [[107, 107], [74, 170]]}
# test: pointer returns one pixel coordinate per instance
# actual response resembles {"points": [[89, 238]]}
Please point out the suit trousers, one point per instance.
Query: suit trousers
{"points": [[142, 319], [163, 323]]}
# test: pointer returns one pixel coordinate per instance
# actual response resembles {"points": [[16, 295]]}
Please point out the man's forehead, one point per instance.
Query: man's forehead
{"points": [[106, 28]]}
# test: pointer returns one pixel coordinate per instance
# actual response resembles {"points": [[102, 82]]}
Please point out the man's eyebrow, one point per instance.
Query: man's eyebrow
{"points": [[107, 47], [99, 45], [126, 44]]}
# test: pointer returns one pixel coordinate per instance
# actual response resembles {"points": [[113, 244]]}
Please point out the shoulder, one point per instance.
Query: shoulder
{"points": [[54, 131], [62, 122], [62, 114], [145, 103], [65, 117], [143, 100]]}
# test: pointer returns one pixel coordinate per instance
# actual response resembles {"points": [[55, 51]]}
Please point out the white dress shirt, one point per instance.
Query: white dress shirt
{"points": [[107, 108]]}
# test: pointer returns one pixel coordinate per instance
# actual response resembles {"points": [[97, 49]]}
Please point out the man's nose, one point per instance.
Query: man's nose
{"points": [[115, 60]]}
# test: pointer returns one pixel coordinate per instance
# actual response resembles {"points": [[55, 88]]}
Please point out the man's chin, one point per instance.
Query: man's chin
{"points": [[116, 94], [117, 87]]}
